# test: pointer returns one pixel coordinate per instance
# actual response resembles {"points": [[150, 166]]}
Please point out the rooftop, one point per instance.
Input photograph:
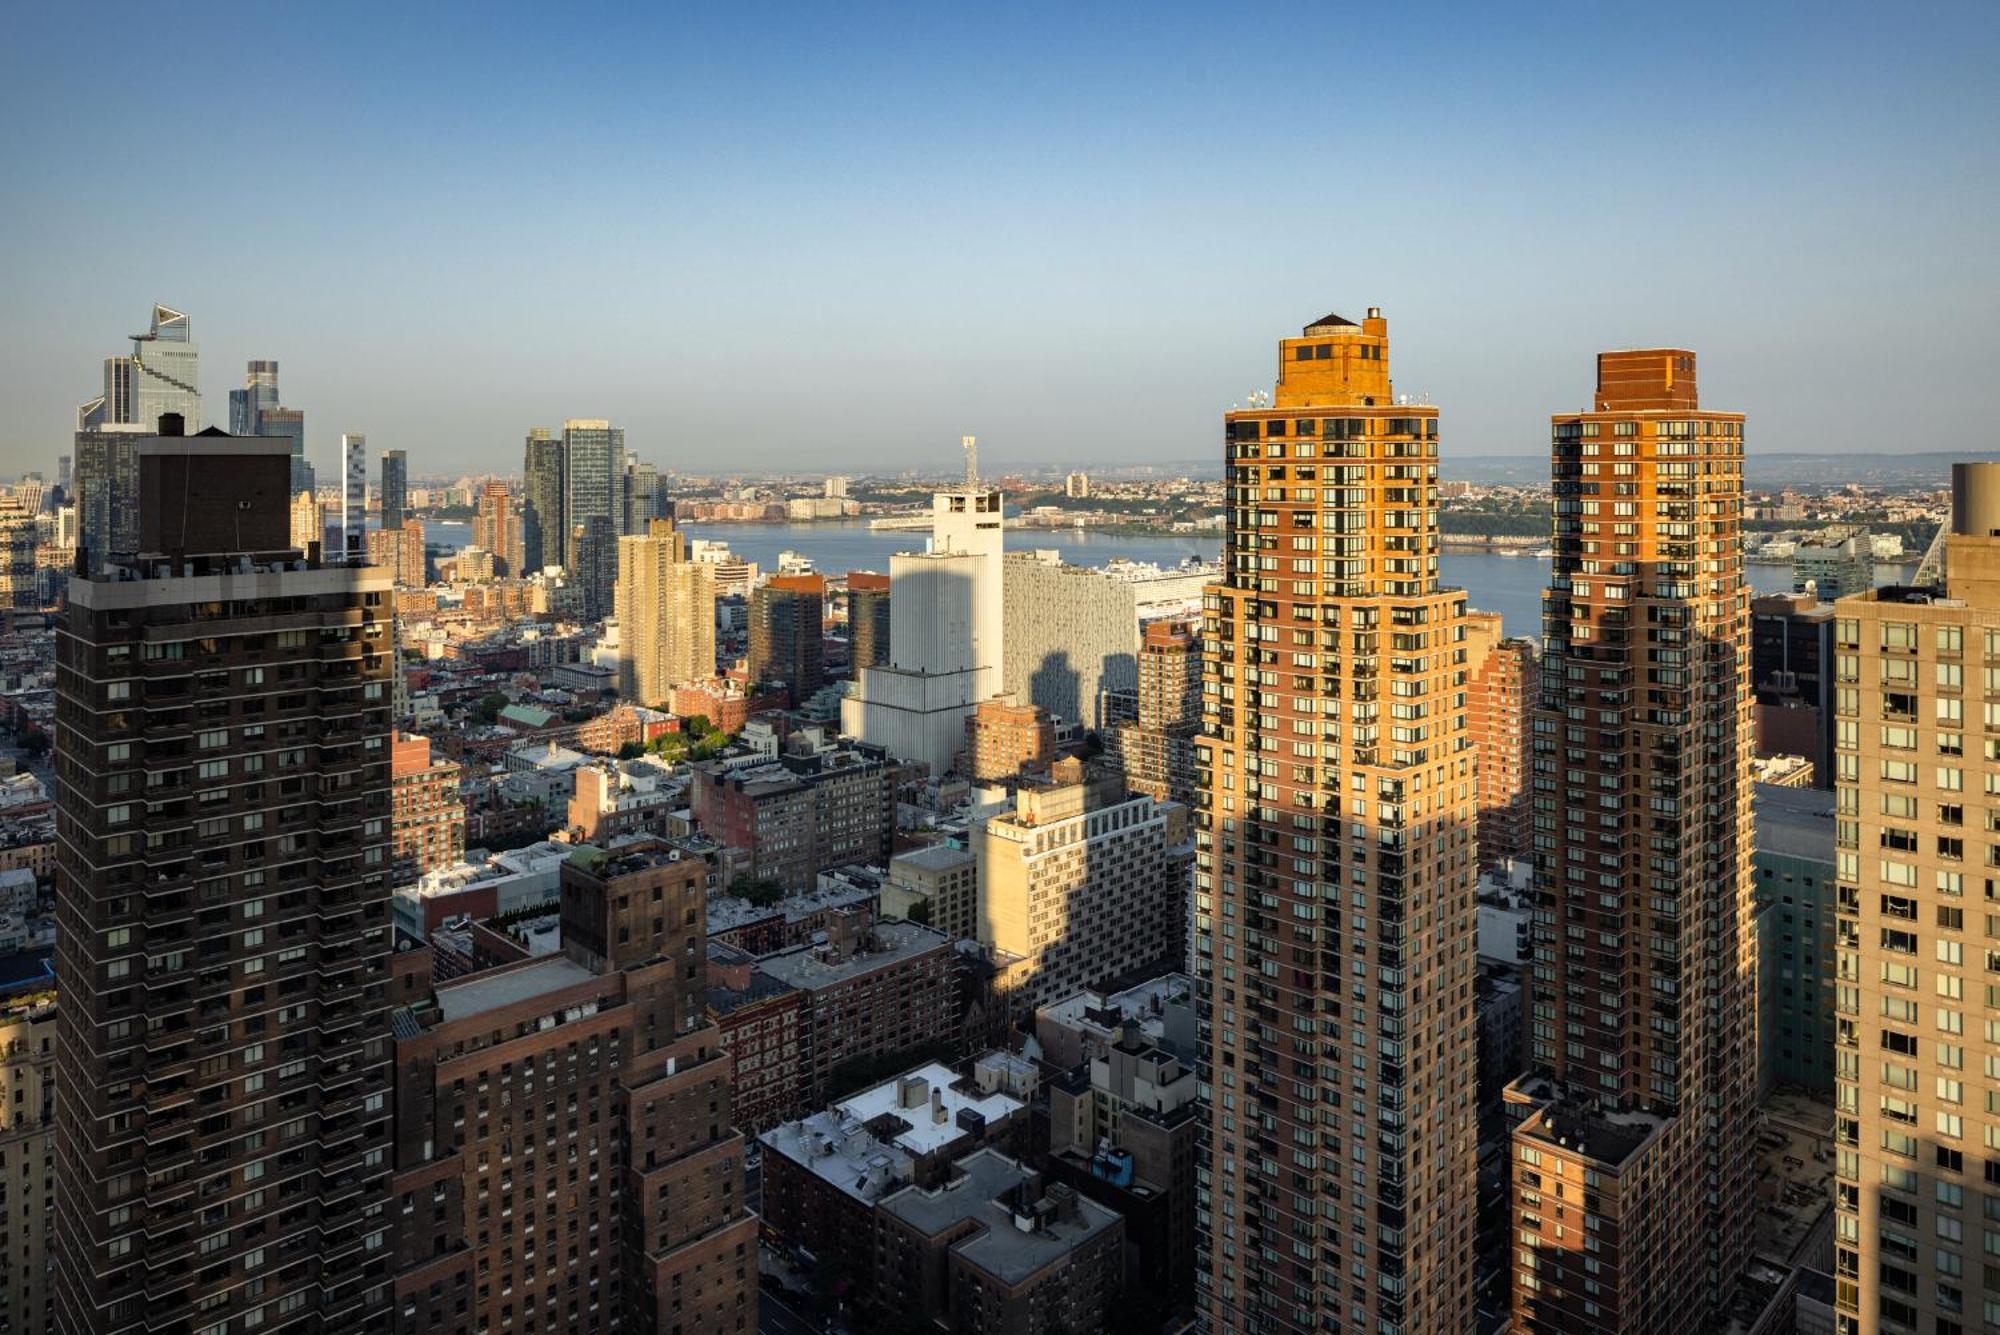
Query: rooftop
{"points": [[495, 988], [1003, 1249], [729, 912], [839, 1150], [1609, 1138], [918, 1097], [934, 857], [1794, 822], [894, 943]]}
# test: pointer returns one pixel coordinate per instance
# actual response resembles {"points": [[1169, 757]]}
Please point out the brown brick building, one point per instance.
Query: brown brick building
{"points": [[1500, 692], [223, 1064], [1632, 1161], [1156, 750], [427, 816], [893, 990], [813, 808], [1003, 740], [564, 1135], [763, 1028], [998, 1251], [787, 635]]}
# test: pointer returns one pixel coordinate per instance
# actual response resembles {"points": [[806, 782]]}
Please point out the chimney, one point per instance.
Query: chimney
{"points": [[937, 1106], [173, 424]]}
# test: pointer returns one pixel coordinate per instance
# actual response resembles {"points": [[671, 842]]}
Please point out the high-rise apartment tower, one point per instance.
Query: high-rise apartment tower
{"points": [[353, 543], [593, 473], [1631, 1164], [787, 641], [222, 762], [1916, 1047], [542, 524], [1334, 914], [666, 615], [395, 497]]}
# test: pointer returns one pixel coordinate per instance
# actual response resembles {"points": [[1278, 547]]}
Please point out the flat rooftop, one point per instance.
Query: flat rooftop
{"points": [[1610, 1138], [897, 941], [1001, 1249], [1794, 822], [934, 857], [940, 1089], [726, 913], [493, 989], [840, 1151]]}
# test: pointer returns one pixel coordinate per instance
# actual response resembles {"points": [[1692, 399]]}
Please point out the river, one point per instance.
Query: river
{"points": [[1509, 585]]}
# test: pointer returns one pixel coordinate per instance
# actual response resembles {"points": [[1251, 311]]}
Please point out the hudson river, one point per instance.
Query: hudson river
{"points": [[1509, 585]]}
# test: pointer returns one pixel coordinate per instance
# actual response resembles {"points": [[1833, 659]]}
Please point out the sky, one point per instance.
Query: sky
{"points": [[837, 238]]}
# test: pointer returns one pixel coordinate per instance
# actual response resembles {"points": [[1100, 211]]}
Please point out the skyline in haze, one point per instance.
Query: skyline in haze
{"points": [[842, 241]]}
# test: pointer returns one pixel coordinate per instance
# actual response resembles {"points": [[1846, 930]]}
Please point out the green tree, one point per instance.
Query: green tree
{"points": [[490, 706], [631, 750]]}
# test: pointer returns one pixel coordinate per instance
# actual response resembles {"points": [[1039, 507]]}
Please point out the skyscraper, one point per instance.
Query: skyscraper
{"points": [[593, 566], [107, 490], [353, 543], [254, 410], [542, 516], [163, 375], [258, 395], [222, 900], [666, 615], [1917, 1122], [946, 639], [1334, 915], [395, 497], [593, 474], [787, 641], [1501, 691], [645, 497], [867, 620], [496, 526], [1631, 1164]]}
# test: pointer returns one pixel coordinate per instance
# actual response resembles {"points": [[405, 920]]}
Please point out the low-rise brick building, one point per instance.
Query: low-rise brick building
{"points": [[892, 990], [818, 805], [763, 1026]]}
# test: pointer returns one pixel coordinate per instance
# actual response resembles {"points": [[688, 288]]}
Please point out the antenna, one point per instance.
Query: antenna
{"points": [[970, 444]]}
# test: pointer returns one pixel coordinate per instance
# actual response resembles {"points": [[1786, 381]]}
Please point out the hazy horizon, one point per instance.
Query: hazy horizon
{"points": [[839, 240]]}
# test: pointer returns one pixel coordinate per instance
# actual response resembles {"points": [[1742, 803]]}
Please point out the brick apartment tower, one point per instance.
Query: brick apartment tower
{"points": [[1916, 1132], [565, 1160], [1501, 693], [1632, 1149], [1334, 897], [665, 606], [787, 641], [1156, 750], [222, 757]]}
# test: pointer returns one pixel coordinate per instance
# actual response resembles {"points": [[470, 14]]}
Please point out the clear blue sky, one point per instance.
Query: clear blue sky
{"points": [[819, 237]]}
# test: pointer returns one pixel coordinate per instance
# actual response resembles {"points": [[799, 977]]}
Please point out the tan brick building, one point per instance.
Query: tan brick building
{"points": [[1334, 921], [1003, 740], [1082, 884], [665, 606], [1916, 678]]}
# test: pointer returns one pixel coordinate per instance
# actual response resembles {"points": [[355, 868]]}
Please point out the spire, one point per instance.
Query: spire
{"points": [[970, 444]]}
